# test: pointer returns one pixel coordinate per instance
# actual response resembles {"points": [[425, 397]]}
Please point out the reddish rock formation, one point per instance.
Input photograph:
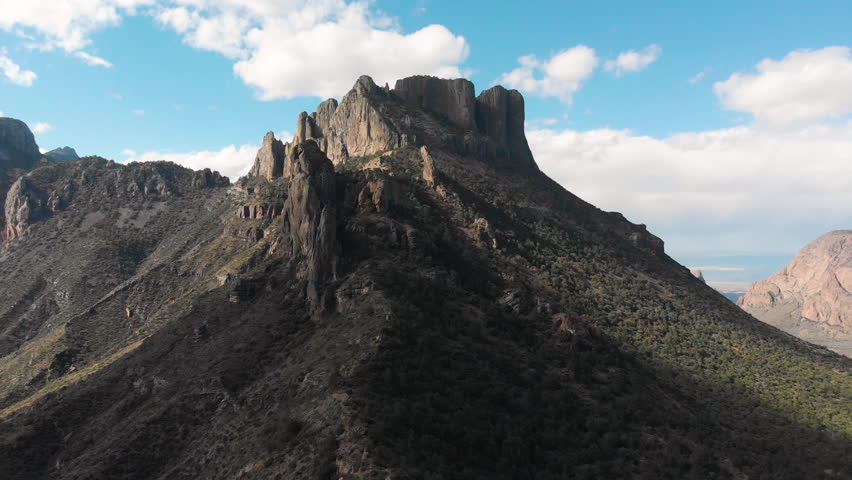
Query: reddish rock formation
{"points": [[818, 283], [812, 296]]}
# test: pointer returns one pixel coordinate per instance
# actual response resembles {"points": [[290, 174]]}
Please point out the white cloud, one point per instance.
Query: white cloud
{"points": [[92, 60], [699, 76], [283, 48], [715, 268], [138, 112], [2, 114], [293, 56], [14, 73], [742, 190], [633, 61], [64, 24], [560, 76], [231, 161], [804, 86], [42, 127], [729, 287]]}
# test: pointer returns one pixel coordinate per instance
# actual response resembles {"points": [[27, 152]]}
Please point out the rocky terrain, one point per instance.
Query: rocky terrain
{"points": [[397, 293], [812, 296]]}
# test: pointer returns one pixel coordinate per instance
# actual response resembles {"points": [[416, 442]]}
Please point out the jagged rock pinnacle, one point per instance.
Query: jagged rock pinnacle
{"points": [[419, 110], [269, 162]]}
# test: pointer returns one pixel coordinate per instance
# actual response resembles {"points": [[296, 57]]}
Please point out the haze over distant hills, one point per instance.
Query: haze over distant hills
{"points": [[398, 292]]}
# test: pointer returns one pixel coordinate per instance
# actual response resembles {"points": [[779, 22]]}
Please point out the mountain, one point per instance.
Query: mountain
{"points": [[399, 292], [812, 296], [63, 154], [18, 153], [18, 148]]}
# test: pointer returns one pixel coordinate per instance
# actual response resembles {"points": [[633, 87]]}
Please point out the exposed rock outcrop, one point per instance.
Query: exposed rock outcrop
{"points": [[450, 99], [22, 207], [310, 217], [63, 154], [256, 212], [371, 120], [269, 163], [355, 128], [428, 173], [18, 148], [818, 281], [815, 287], [500, 116]]}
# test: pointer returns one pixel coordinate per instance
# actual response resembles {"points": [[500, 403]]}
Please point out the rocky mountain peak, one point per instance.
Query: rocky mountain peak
{"points": [[18, 148], [815, 288], [269, 163], [63, 154], [419, 110]]}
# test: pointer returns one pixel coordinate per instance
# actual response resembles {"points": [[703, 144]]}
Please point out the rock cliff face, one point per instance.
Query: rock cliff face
{"points": [[500, 116], [23, 205], [371, 120], [18, 148], [812, 295], [18, 153], [310, 217], [269, 163], [450, 99]]}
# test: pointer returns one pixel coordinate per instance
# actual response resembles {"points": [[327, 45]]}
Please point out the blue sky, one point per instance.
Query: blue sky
{"points": [[729, 161]]}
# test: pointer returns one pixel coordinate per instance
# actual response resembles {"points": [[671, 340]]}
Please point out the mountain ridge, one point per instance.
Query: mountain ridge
{"points": [[427, 308]]}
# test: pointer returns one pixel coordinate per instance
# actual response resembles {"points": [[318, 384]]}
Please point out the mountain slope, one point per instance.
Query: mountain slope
{"points": [[810, 297], [400, 293]]}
